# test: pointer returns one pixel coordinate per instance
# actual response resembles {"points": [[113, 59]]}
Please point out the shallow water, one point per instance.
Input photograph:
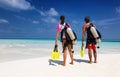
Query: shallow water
{"points": [[13, 49]]}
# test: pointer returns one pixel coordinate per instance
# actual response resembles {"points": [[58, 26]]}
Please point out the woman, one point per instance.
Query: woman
{"points": [[65, 42]]}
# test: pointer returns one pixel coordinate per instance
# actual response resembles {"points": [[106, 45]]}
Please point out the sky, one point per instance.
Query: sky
{"points": [[39, 18]]}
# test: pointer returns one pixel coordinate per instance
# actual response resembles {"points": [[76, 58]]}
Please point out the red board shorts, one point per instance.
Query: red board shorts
{"points": [[91, 46]]}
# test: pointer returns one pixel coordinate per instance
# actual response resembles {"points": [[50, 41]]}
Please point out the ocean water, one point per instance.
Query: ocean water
{"points": [[14, 49], [105, 47]]}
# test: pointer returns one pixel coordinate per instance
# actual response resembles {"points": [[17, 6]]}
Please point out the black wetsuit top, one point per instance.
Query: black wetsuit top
{"points": [[90, 37]]}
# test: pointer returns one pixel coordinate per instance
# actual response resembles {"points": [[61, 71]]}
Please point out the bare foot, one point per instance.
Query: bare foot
{"points": [[95, 61], [71, 63], [90, 62], [63, 64]]}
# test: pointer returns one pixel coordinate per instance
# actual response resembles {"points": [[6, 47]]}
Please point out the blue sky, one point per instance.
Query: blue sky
{"points": [[39, 18]]}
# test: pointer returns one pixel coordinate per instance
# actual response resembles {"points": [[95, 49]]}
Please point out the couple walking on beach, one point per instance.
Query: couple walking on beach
{"points": [[90, 43]]}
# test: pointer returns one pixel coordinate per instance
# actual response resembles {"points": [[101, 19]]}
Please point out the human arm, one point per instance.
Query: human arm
{"points": [[57, 35], [83, 34]]}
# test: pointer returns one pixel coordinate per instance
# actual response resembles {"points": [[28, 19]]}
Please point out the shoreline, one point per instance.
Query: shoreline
{"points": [[53, 39]]}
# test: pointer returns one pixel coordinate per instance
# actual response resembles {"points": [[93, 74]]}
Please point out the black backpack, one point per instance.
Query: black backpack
{"points": [[66, 34]]}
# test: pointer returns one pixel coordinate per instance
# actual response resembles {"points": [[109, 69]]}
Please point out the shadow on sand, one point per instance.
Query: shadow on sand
{"points": [[81, 60], [55, 62]]}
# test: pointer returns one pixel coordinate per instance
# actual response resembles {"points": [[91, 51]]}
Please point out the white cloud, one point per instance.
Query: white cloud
{"points": [[42, 13], [49, 15], [50, 12], [118, 10], [20, 17], [75, 22], [49, 20], [35, 22], [108, 21], [16, 4], [3, 21]]}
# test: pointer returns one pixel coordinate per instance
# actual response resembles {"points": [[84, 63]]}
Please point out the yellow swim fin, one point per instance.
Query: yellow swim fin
{"points": [[55, 53], [82, 51]]}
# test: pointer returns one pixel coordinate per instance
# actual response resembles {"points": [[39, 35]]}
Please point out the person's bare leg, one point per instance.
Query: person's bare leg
{"points": [[95, 55], [63, 43], [64, 57], [64, 53], [71, 54], [90, 55]]}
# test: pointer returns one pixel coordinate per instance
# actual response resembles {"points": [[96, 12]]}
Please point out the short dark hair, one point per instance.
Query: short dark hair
{"points": [[62, 17], [87, 19]]}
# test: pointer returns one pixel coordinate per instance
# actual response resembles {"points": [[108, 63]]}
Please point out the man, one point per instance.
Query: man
{"points": [[90, 42], [65, 42]]}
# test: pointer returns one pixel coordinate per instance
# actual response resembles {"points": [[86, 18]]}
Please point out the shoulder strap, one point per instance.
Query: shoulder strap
{"points": [[62, 26], [91, 24]]}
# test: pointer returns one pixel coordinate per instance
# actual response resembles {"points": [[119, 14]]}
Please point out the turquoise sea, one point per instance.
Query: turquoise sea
{"points": [[105, 46], [11, 49]]}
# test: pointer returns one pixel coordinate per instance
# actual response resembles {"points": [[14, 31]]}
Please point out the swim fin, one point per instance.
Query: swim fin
{"points": [[82, 51], [55, 53]]}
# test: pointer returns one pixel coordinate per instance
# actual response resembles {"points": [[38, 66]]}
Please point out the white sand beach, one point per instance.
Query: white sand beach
{"points": [[108, 66], [31, 58]]}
